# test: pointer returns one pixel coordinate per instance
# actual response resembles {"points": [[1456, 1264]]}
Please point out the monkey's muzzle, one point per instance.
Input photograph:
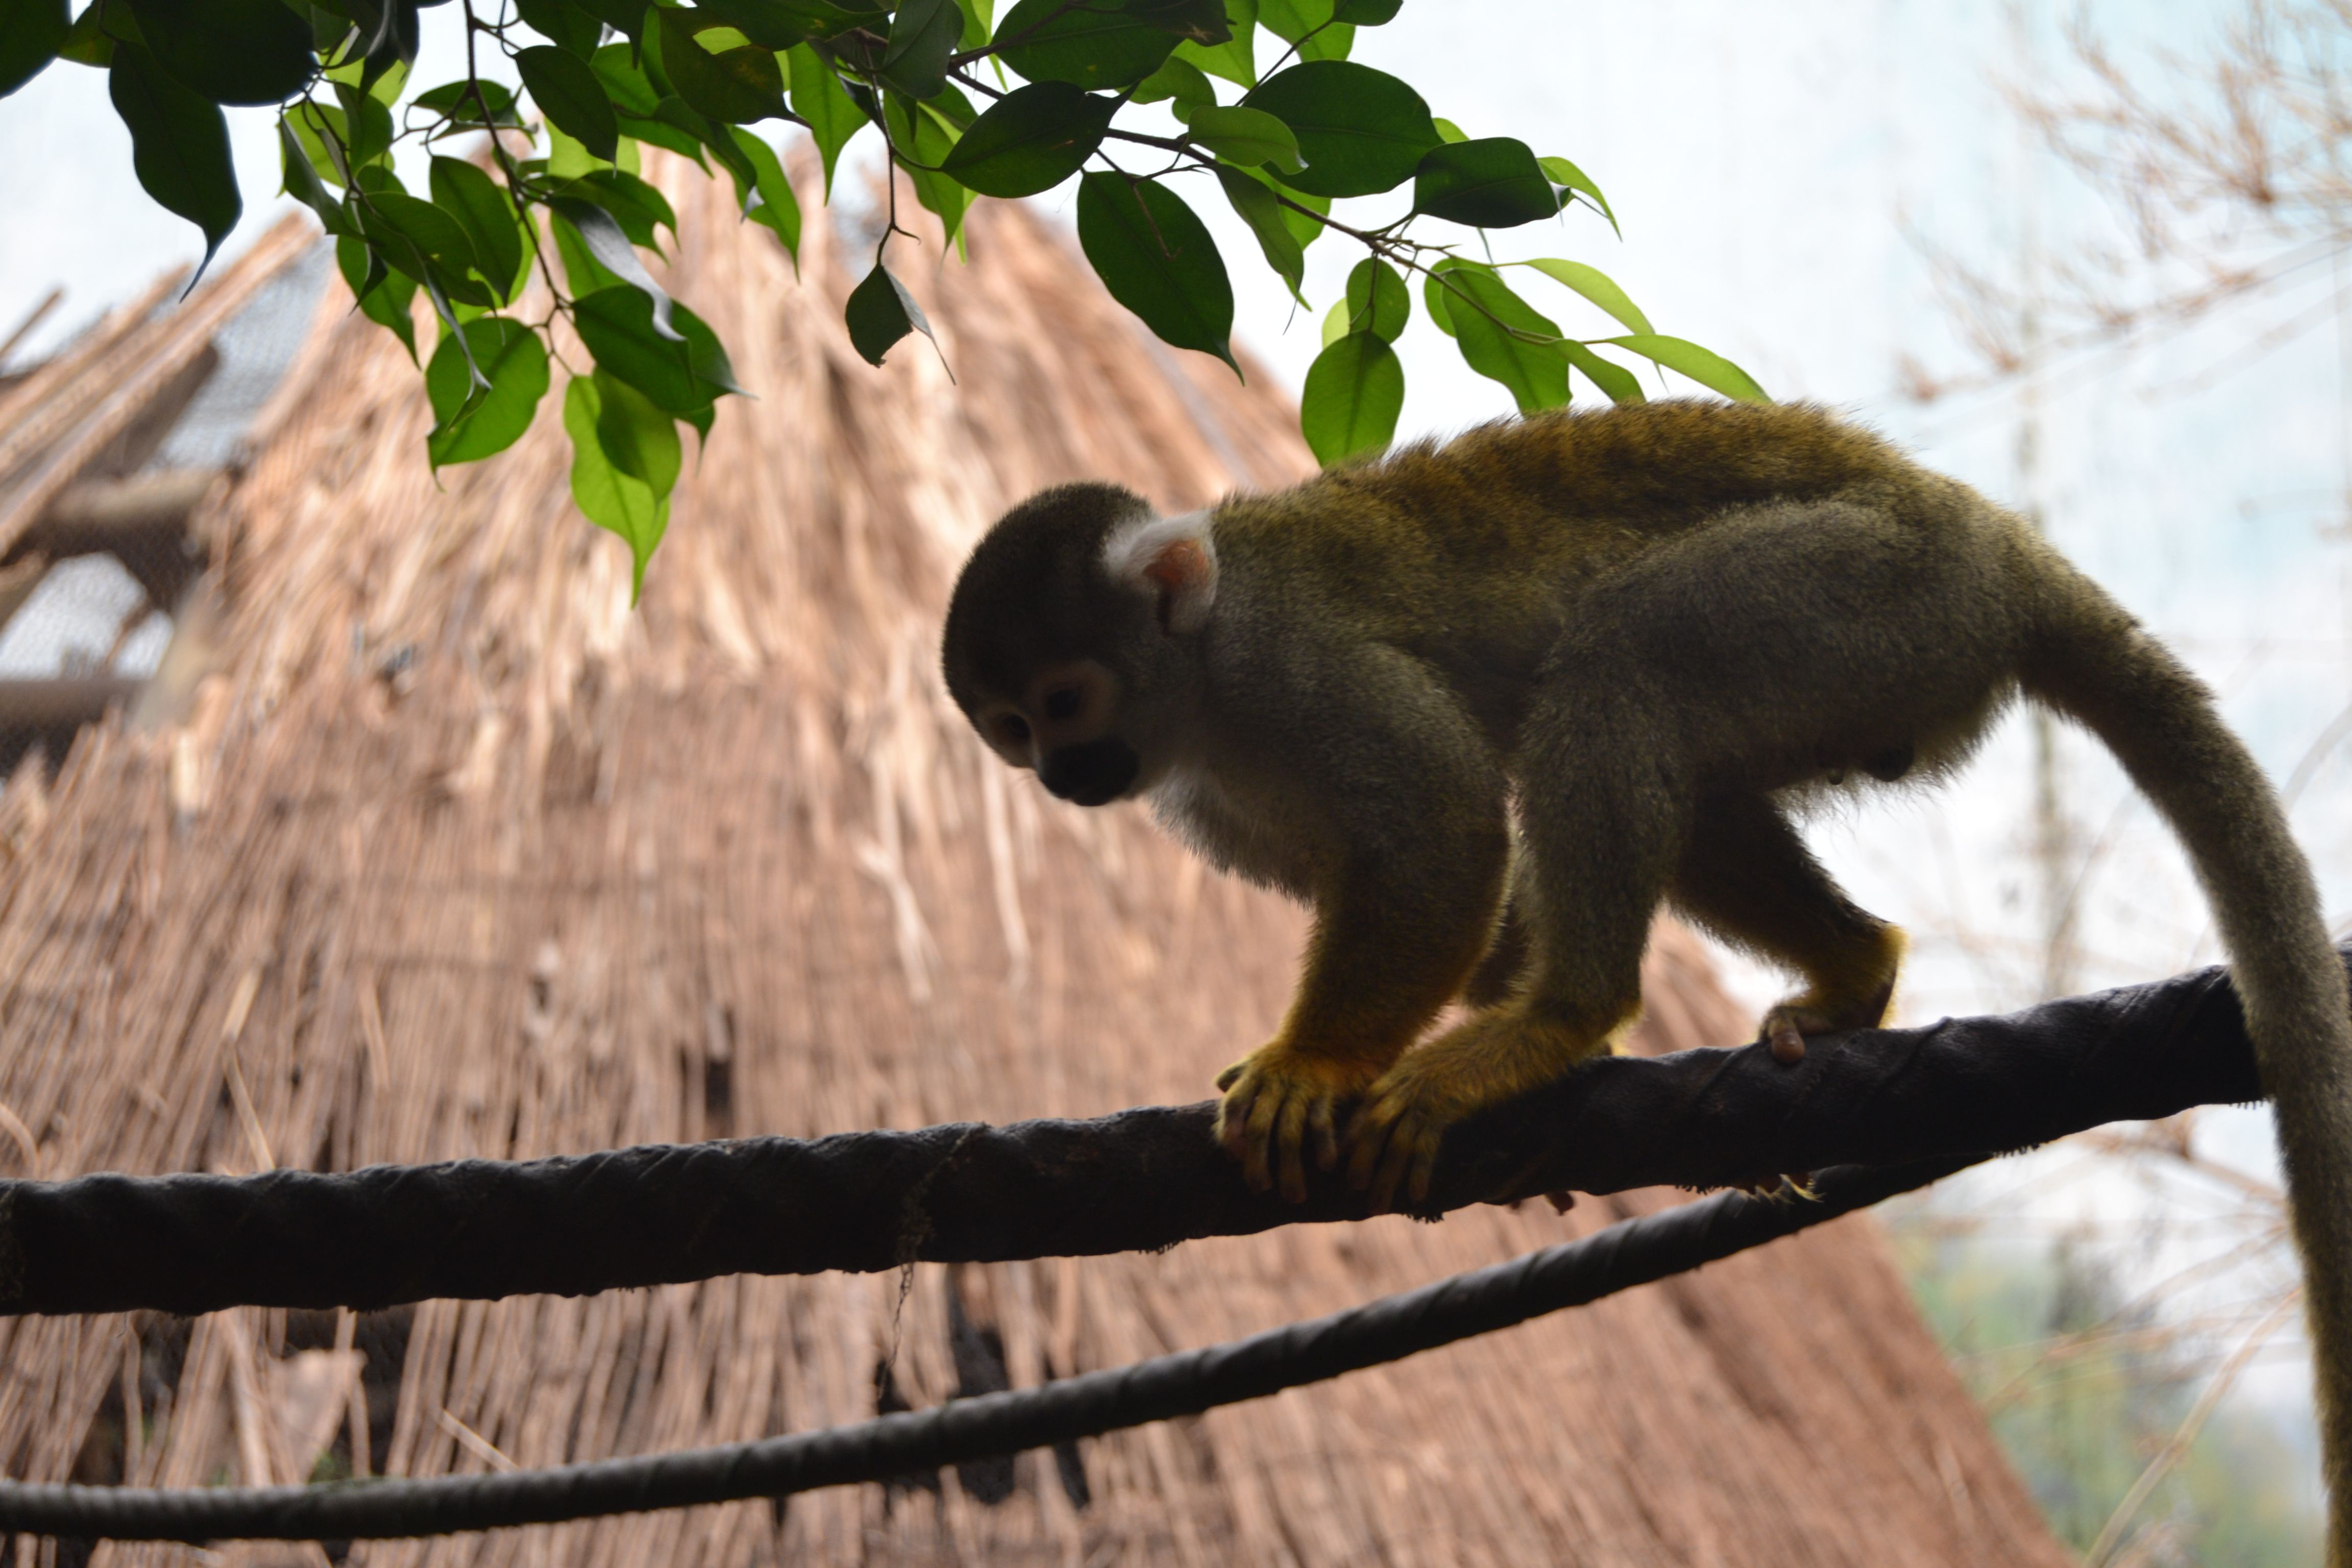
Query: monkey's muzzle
{"points": [[1095, 773]]}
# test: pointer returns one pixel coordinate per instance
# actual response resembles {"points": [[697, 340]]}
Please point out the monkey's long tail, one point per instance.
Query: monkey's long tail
{"points": [[2094, 664]]}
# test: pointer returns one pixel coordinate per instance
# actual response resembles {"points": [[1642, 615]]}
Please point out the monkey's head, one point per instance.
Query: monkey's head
{"points": [[1070, 639]]}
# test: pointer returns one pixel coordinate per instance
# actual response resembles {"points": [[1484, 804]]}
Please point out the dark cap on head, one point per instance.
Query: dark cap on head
{"points": [[1035, 589]]}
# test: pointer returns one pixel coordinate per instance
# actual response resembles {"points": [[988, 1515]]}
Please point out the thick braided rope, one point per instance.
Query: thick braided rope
{"points": [[1632, 1252]]}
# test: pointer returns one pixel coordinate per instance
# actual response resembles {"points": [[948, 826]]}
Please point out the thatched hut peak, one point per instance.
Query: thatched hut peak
{"points": [[423, 845]]}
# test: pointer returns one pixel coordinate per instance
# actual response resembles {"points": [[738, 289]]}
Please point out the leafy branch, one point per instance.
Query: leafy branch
{"points": [[547, 225]]}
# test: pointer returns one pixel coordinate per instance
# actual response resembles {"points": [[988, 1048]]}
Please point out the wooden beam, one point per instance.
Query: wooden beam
{"points": [[142, 521], [17, 580], [101, 514], [62, 700]]}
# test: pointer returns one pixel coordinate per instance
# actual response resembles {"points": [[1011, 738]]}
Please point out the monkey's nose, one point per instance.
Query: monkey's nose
{"points": [[1095, 773]]}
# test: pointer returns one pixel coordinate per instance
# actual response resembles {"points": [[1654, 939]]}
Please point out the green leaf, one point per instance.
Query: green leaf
{"points": [[734, 86], [1502, 337], [368, 134], [769, 200], [385, 297], [923, 34], [568, 25], [683, 376], [179, 145], [1564, 174], [1367, 12], [819, 99], [630, 91], [31, 34], [89, 42], [1179, 80], [420, 239], [231, 51], [924, 134], [1259, 207], [1354, 392], [1245, 136], [455, 100], [321, 130], [1616, 383], [1491, 183], [1303, 228], [482, 210], [1378, 300], [1031, 140], [1705, 366], [471, 422], [1360, 130], [1156, 258], [880, 311], [608, 243], [639, 208], [1236, 59], [1595, 286], [673, 125], [763, 22], [1308, 25], [605, 494], [302, 183], [796, 21], [1195, 21], [572, 96], [581, 270], [1087, 47]]}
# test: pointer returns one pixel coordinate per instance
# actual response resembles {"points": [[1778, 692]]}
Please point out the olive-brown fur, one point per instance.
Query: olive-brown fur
{"points": [[1486, 704]]}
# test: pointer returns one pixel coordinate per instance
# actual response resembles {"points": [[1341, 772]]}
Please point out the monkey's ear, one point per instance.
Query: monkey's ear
{"points": [[1174, 560]]}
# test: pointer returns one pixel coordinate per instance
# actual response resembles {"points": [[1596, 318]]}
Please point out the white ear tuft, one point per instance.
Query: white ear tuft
{"points": [[1174, 560]]}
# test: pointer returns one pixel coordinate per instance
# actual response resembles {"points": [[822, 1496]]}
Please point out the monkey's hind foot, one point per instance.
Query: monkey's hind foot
{"points": [[1501, 1053], [1275, 1099], [1786, 1026]]}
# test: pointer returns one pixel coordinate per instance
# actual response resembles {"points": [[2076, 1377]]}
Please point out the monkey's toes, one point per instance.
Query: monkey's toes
{"points": [[1393, 1144], [1266, 1122]]}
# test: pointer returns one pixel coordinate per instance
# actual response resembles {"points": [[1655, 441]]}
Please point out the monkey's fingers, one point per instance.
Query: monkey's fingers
{"points": [[1265, 1112], [1290, 1135], [1320, 1120], [1232, 1075], [1397, 1159], [1787, 1045]]}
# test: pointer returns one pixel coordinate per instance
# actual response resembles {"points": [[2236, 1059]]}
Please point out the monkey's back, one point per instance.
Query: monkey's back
{"points": [[1475, 550]]}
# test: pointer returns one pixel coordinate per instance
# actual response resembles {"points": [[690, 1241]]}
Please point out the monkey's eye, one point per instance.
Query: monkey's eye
{"points": [[1064, 702], [1015, 729]]}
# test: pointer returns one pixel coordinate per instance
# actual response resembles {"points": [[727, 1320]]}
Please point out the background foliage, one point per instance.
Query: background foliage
{"points": [[1275, 121]]}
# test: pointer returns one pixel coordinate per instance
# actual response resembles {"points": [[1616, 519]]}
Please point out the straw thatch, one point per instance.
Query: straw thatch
{"points": [[456, 856]]}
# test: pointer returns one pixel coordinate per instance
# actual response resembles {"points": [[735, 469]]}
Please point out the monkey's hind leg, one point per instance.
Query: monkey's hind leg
{"points": [[1747, 877]]}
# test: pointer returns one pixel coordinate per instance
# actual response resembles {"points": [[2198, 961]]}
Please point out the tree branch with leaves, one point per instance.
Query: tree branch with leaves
{"points": [[965, 104]]}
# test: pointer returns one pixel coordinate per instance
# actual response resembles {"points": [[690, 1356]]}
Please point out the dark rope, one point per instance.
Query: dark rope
{"points": [[1150, 1178], [1632, 1252]]}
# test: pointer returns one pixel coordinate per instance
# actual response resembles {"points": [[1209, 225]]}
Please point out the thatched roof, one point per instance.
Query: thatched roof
{"points": [[455, 855]]}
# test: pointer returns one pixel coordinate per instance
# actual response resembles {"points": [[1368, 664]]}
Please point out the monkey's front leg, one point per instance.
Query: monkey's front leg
{"points": [[1498, 1055], [1389, 949]]}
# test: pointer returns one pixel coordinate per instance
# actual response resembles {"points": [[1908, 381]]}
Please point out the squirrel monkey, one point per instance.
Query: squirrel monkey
{"points": [[1485, 705]]}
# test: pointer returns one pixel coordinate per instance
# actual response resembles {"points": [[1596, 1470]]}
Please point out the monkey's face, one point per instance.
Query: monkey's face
{"points": [[1060, 729], [1062, 667]]}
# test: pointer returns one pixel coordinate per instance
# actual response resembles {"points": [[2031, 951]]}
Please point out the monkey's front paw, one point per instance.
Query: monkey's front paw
{"points": [[1275, 1099], [1786, 1026], [1487, 1059], [1394, 1139]]}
